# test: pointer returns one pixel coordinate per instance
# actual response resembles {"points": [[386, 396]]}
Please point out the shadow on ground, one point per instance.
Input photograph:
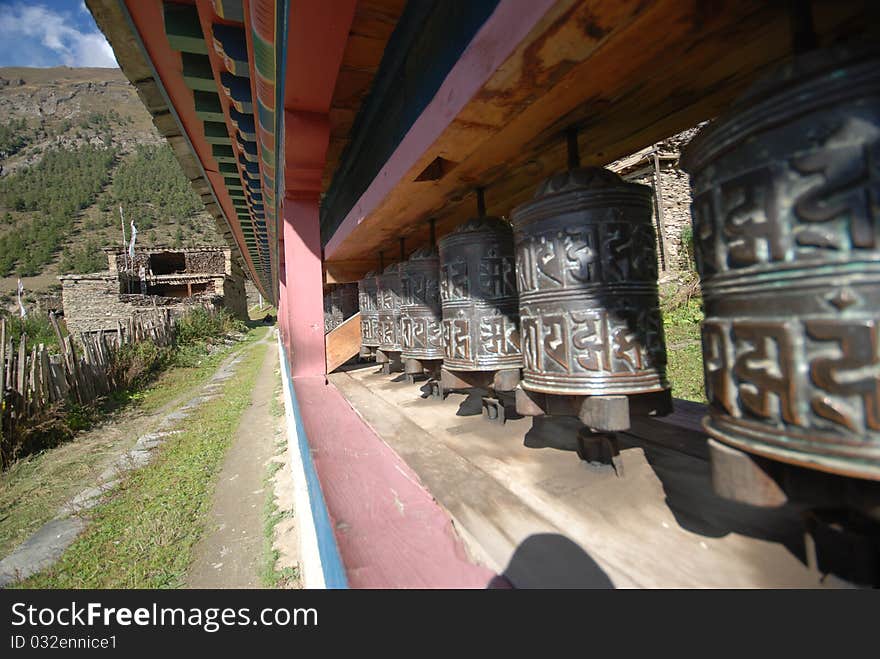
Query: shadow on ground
{"points": [[550, 560]]}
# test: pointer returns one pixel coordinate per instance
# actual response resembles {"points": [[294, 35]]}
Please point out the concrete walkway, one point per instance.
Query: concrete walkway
{"points": [[528, 508], [230, 553]]}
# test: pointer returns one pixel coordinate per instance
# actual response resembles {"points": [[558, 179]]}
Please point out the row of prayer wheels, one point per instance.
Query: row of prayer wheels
{"points": [[562, 306], [557, 314]]}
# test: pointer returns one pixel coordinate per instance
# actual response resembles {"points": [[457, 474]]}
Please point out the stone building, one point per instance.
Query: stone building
{"points": [[157, 278], [657, 167]]}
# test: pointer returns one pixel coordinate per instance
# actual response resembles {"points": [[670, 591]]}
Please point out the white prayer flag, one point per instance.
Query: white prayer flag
{"points": [[134, 233], [22, 310]]}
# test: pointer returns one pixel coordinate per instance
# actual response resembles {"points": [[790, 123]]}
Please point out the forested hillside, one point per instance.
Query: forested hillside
{"points": [[75, 145]]}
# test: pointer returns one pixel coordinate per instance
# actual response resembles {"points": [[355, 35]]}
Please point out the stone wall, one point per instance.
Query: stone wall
{"points": [[234, 296], [197, 261], [208, 261], [676, 198], [253, 294], [674, 192], [93, 303]]}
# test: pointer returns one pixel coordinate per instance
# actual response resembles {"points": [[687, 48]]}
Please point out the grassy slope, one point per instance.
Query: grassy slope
{"points": [[143, 536], [112, 92]]}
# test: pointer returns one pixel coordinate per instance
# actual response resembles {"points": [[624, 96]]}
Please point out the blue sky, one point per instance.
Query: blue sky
{"points": [[51, 33]]}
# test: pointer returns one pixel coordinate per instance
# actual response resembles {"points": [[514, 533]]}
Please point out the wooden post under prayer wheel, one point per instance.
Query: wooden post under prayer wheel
{"points": [[592, 333], [421, 315], [787, 240], [480, 311]]}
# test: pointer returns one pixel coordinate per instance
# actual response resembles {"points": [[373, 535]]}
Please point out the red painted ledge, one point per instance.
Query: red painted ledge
{"points": [[389, 530]]}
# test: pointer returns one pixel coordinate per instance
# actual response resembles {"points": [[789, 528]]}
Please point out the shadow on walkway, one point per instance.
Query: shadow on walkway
{"points": [[550, 560]]}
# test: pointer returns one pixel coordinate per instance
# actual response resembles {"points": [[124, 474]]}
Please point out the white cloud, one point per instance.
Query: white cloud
{"points": [[33, 35]]}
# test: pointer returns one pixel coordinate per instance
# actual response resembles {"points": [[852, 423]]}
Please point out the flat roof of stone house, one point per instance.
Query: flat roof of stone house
{"points": [[94, 276], [183, 276], [159, 248], [187, 276]]}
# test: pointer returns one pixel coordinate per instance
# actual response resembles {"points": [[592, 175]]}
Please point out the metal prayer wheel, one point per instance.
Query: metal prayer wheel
{"points": [[478, 297], [344, 299], [586, 268], [367, 292], [388, 297], [787, 239], [339, 305], [331, 321], [420, 312]]}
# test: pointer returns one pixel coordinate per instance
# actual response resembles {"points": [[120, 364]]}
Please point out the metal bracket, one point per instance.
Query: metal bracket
{"points": [[600, 448], [438, 391], [493, 410]]}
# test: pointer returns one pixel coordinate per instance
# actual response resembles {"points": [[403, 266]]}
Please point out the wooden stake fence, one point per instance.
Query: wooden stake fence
{"points": [[32, 380]]}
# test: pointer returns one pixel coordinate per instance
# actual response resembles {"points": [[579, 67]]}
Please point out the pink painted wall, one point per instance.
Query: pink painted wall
{"points": [[304, 287], [282, 307], [282, 293]]}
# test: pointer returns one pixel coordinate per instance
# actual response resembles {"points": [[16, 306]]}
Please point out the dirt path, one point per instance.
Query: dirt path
{"points": [[231, 554]]}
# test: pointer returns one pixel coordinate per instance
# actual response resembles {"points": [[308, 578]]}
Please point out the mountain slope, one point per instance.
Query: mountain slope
{"points": [[75, 144]]}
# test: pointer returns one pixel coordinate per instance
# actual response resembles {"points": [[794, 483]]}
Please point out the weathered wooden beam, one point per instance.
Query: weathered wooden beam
{"points": [[344, 272], [628, 73]]}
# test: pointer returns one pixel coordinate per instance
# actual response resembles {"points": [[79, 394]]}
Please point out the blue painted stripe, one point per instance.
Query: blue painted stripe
{"points": [[331, 561], [282, 11]]}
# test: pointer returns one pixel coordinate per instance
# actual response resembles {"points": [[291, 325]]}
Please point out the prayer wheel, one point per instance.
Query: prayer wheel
{"points": [[330, 320], [420, 312], [345, 300], [478, 297], [586, 268], [367, 291], [388, 296], [339, 304], [787, 242]]}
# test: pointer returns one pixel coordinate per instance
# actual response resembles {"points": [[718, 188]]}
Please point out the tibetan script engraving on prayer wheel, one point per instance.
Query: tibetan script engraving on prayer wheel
{"points": [[420, 313], [478, 296], [367, 292], [786, 198], [388, 298], [587, 277], [345, 298]]}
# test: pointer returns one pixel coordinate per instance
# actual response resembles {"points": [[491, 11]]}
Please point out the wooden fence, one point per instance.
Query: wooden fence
{"points": [[32, 380]]}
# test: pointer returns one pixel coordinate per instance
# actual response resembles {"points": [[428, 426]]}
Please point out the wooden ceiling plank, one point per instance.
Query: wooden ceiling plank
{"points": [[664, 68]]}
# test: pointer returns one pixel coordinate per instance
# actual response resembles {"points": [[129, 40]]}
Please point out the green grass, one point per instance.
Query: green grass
{"points": [[276, 407], [270, 575], [35, 487], [257, 314], [143, 536], [193, 367], [681, 324], [685, 371]]}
